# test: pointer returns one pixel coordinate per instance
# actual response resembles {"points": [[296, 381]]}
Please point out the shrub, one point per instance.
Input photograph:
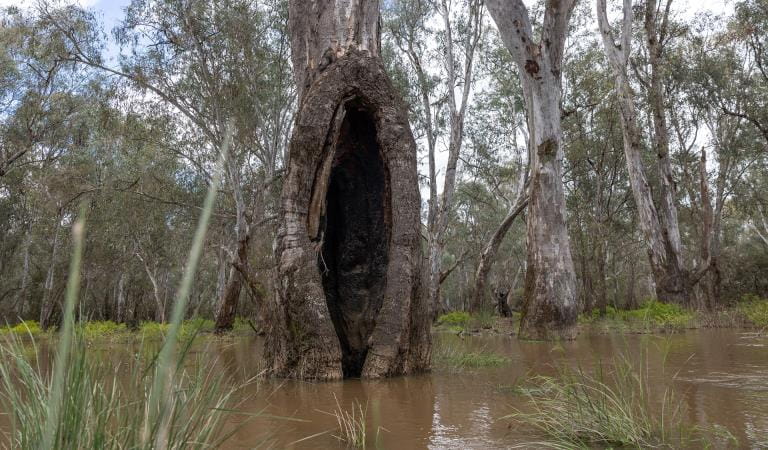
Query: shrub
{"points": [[101, 329], [756, 309], [454, 318], [24, 328], [651, 313], [604, 409], [454, 355]]}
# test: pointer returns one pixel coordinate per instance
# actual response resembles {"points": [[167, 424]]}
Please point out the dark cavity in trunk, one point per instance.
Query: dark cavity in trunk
{"points": [[355, 243]]}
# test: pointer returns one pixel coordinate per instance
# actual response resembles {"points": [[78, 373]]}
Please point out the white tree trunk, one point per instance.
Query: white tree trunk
{"points": [[551, 307]]}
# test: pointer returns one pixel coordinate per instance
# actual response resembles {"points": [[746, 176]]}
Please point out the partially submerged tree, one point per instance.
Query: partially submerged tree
{"points": [[551, 307], [660, 225], [349, 301]]}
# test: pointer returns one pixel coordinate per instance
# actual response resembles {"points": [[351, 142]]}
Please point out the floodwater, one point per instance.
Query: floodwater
{"points": [[719, 375]]}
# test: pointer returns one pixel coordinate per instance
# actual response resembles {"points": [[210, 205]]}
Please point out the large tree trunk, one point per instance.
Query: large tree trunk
{"points": [[676, 286], [661, 231], [229, 299], [348, 248], [551, 308]]}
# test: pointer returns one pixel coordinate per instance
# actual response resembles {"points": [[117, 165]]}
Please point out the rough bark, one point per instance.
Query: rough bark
{"points": [[676, 286], [348, 254], [551, 308], [660, 229]]}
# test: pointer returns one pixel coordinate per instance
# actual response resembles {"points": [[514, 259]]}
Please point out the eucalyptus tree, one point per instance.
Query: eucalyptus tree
{"points": [[459, 36], [749, 27], [551, 307], [349, 300], [499, 138], [218, 64]]}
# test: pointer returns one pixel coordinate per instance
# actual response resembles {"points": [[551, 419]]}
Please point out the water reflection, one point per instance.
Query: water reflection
{"points": [[719, 376]]}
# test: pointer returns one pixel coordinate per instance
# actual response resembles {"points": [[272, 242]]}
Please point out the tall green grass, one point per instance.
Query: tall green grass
{"points": [[449, 353], [606, 408], [86, 404]]}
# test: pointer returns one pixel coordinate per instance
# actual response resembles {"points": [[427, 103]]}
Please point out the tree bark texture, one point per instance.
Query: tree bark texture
{"points": [[550, 307], [676, 286], [660, 229], [349, 300]]}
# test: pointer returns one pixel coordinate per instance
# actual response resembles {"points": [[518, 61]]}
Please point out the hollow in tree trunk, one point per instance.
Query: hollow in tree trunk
{"points": [[349, 301]]}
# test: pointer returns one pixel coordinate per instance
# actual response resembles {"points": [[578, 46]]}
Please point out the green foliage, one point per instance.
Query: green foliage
{"points": [[241, 326], [101, 330], [454, 318], [483, 319], [606, 408], [24, 328], [755, 309], [188, 329], [102, 411], [449, 353], [651, 314]]}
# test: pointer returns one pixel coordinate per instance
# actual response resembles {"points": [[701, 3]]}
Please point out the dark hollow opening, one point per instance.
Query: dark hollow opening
{"points": [[354, 255]]}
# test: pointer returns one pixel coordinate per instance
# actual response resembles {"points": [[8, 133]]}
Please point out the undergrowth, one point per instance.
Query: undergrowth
{"points": [[610, 407], [451, 354], [651, 315]]}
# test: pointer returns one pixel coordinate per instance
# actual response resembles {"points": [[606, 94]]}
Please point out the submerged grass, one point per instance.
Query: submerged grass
{"points": [[755, 309], [451, 354], [351, 424], [79, 406], [607, 408]]}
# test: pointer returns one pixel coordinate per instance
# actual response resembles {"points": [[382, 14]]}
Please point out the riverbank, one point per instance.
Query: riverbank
{"points": [[751, 312]]}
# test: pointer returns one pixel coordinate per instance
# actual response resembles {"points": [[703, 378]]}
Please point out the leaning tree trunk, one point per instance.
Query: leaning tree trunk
{"points": [[660, 230], [677, 285], [489, 253], [551, 308], [348, 300]]}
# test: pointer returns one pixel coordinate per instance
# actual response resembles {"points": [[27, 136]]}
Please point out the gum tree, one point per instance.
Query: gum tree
{"points": [[550, 308], [348, 300]]}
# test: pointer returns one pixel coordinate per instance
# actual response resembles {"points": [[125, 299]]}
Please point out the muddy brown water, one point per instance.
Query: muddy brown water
{"points": [[720, 376]]}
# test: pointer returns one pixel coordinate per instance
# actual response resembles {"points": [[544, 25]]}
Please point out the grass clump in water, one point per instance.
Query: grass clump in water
{"points": [[451, 354], [652, 314], [351, 424], [755, 309], [576, 409]]}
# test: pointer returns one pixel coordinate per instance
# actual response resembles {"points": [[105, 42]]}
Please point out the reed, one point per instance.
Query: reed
{"points": [[85, 404]]}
